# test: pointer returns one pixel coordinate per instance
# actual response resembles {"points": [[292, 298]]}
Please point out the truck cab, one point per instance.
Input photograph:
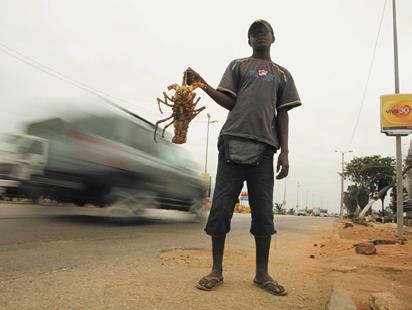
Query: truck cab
{"points": [[21, 157]]}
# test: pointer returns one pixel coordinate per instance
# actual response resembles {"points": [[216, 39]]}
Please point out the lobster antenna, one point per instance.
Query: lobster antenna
{"points": [[185, 78]]}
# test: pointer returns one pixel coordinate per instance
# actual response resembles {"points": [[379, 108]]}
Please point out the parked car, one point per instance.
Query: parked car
{"points": [[301, 212], [324, 212]]}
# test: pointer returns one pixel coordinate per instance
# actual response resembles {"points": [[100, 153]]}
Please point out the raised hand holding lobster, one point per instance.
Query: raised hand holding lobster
{"points": [[183, 106]]}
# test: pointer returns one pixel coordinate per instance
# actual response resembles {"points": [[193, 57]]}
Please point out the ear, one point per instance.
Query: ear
{"points": [[273, 38], [248, 41]]}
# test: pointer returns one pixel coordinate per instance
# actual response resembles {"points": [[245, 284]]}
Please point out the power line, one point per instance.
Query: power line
{"points": [[65, 78], [50, 71], [369, 75]]}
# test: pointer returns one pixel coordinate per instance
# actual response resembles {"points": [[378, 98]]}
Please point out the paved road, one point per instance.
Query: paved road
{"points": [[24, 223], [37, 242]]}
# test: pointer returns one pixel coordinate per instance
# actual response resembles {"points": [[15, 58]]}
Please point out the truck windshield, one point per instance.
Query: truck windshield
{"points": [[19, 144], [8, 143], [28, 146]]}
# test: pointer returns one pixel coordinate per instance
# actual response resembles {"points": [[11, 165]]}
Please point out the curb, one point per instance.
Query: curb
{"points": [[340, 300]]}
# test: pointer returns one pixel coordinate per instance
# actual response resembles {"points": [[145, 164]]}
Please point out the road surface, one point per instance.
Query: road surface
{"points": [[69, 257]]}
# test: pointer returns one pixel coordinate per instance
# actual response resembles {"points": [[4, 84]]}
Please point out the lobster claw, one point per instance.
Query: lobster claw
{"points": [[173, 86]]}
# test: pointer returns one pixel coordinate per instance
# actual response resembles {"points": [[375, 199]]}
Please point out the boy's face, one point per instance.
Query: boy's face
{"points": [[260, 36]]}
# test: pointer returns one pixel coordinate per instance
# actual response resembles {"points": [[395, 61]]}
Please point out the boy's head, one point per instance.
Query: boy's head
{"points": [[258, 27]]}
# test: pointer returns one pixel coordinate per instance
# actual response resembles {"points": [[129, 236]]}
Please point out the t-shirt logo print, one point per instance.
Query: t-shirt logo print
{"points": [[263, 72]]}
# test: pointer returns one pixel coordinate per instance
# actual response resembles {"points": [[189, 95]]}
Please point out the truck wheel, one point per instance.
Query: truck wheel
{"points": [[34, 194], [131, 203], [197, 209]]}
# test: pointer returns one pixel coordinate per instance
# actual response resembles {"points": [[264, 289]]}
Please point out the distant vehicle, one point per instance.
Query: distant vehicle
{"points": [[301, 212], [99, 160], [278, 208], [324, 212], [244, 201], [316, 211]]}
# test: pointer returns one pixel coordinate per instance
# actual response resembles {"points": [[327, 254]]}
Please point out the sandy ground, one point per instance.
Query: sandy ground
{"points": [[329, 260], [390, 270], [132, 274]]}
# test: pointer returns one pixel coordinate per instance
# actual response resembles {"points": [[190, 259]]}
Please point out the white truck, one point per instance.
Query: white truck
{"points": [[316, 211], [21, 156], [98, 160]]}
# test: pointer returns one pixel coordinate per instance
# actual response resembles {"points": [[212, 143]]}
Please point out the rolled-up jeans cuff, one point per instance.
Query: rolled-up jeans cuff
{"points": [[265, 236], [215, 235]]}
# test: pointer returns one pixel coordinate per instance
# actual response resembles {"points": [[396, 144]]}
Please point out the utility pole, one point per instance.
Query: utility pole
{"points": [[341, 181], [207, 138], [297, 196], [206, 175], [399, 185], [307, 192]]}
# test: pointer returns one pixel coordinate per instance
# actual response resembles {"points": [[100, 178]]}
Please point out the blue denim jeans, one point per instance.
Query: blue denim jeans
{"points": [[229, 183]]}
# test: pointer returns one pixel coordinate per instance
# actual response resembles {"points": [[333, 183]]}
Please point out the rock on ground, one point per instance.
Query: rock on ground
{"points": [[384, 301], [365, 248]]}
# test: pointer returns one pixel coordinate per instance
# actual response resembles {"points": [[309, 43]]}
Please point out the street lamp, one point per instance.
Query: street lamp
{"points": [[297, 196], [341, 181], [284, 193], [206, 175], [207, 138]]}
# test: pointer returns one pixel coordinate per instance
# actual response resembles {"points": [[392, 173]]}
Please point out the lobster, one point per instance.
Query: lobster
{"points": [[183, 109]]}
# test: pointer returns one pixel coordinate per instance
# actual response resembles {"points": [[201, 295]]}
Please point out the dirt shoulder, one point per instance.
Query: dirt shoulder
{"points": [[153, 269], [311, 267], [389, 270]]}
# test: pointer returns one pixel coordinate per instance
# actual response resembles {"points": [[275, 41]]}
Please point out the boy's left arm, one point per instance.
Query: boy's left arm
{"points": [[282, 123]]}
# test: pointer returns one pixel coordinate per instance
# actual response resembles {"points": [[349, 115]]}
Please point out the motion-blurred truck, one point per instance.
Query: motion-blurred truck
{"points": [[99, 160]]}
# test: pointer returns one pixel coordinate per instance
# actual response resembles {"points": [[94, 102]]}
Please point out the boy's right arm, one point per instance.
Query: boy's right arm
{"points": [[225, 100]]}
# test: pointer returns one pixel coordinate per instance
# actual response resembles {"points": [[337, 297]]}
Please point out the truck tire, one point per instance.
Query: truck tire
{"points": [[130, 202], [197, 209], [34, 194]]}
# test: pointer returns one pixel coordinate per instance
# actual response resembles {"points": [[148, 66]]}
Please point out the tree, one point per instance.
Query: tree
{"points": [[350, 200], [291, 211], [279, 208], [362, 196], [371, 172], [369, 175], [407, 166], [381, 185]]}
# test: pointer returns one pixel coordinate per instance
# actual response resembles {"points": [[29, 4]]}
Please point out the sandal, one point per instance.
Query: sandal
{"points": [[272, 287], [212, 283]]}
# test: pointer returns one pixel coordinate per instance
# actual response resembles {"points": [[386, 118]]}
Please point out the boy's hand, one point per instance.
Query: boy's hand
{"points": [[193, 77], [283, 165]]}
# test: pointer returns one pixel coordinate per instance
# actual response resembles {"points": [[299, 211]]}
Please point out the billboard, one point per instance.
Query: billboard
{"points": [[396, 114]]}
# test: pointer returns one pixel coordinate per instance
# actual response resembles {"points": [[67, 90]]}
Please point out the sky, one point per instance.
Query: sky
{"points": [[132, 50]]}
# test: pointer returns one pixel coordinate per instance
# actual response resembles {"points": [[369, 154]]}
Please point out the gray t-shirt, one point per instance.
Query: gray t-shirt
{"points": [[261, 88]]}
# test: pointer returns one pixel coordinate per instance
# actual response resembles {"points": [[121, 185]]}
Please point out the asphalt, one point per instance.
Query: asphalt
{"points": [[84, 249]]}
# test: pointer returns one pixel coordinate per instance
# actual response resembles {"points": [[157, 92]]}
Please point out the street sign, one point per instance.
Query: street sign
{"points": [[206, 183], [396, 114]]}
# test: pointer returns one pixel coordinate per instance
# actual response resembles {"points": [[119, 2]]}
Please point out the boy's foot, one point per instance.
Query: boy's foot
{"points": [[273, 287], [210, 282]]}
